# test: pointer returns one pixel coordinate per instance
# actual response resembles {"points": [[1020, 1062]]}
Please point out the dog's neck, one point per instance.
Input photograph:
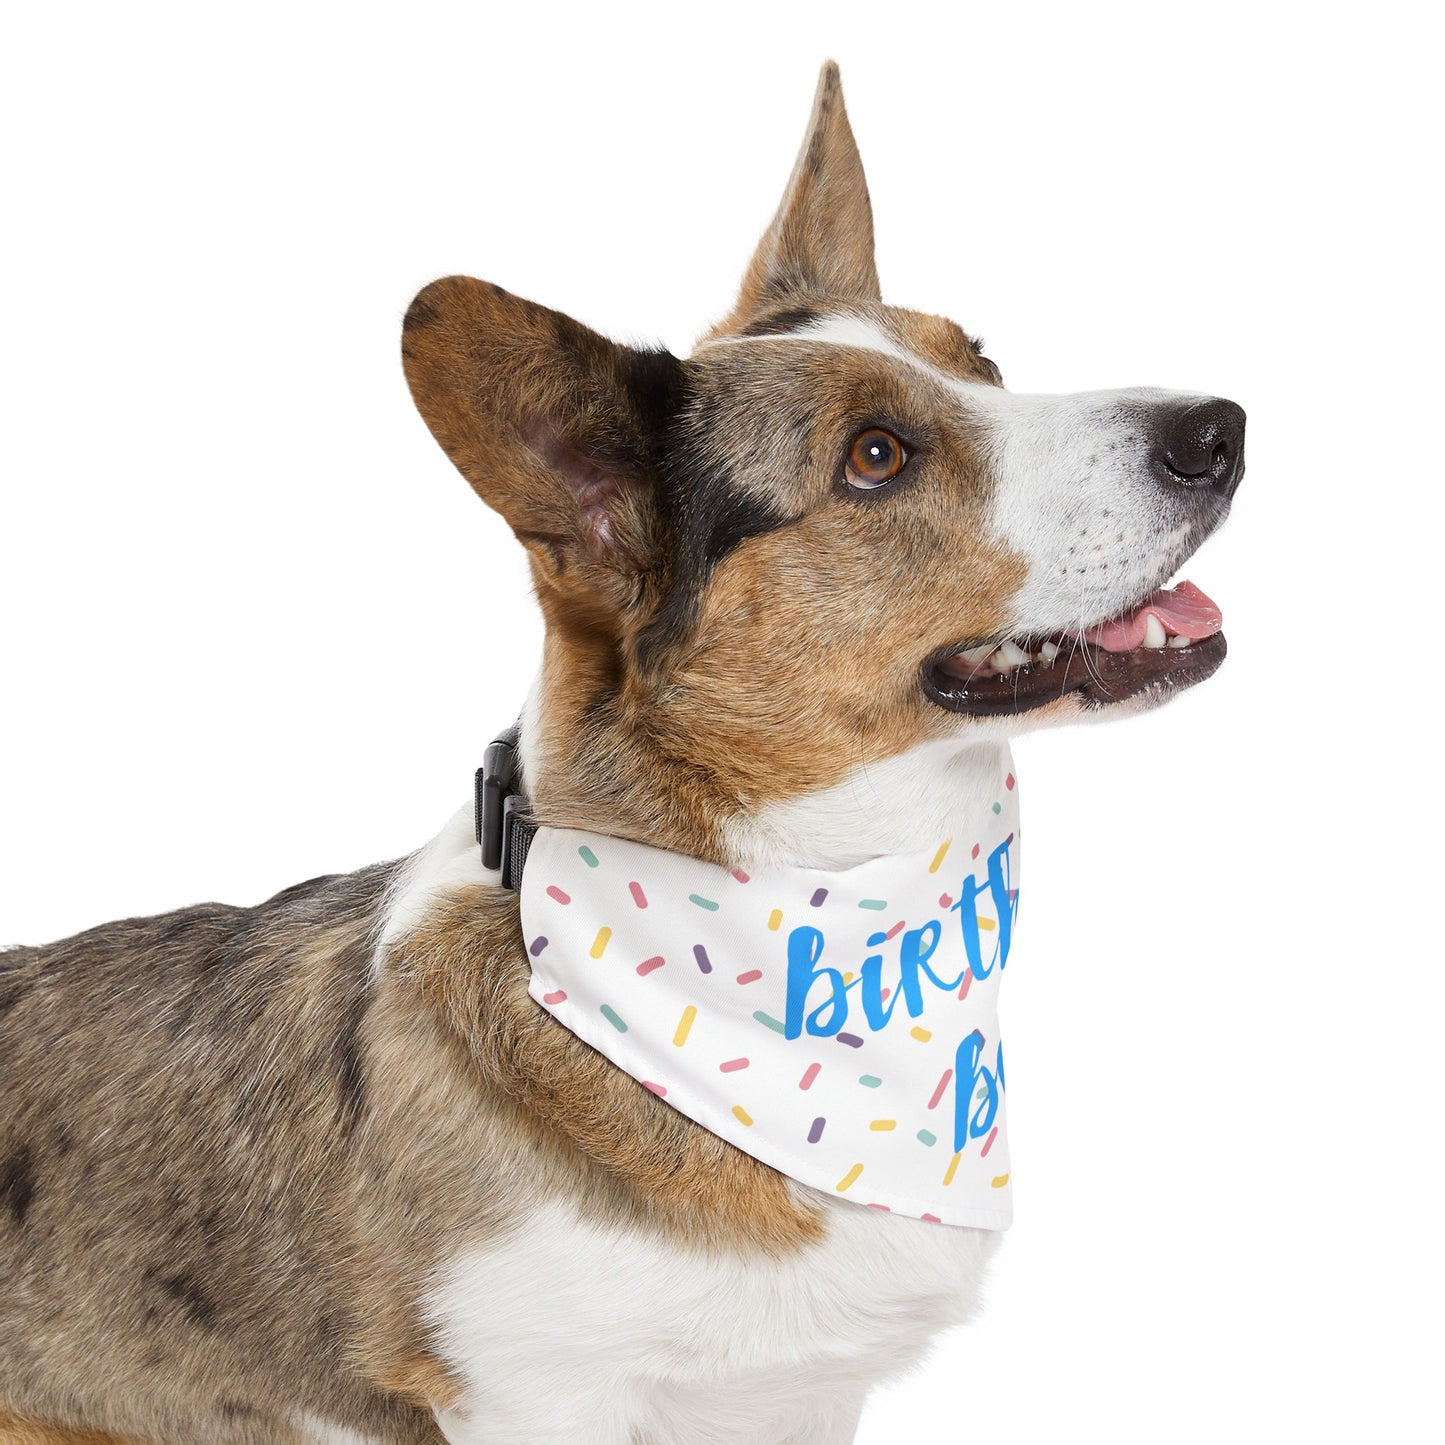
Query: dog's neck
{"points": [[876, 808]]}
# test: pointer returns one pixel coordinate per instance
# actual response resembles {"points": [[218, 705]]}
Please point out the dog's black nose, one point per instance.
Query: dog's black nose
{"points": [[1200, 444]]}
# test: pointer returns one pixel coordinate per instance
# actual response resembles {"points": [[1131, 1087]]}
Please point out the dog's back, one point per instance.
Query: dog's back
{"points": [[178, 1100]]}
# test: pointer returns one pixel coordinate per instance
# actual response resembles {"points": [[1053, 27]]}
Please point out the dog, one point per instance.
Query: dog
{"points": [[329, 1169]]}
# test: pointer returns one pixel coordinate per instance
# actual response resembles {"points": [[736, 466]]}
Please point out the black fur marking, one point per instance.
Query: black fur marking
{"points": [[708, 518], [779, 323], [326, 1335], [421, 313], [12, 990], [211, 1231], [235, 1410], [350, 1067], [17, 1183], [195, 1304]]}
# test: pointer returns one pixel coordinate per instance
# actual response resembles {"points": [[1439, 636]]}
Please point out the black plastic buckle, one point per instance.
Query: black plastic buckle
{"points": [[504, 832]]}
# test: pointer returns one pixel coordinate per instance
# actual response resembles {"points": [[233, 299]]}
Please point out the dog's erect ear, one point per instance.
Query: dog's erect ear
{"points": [[821, 240], [556, 427]]}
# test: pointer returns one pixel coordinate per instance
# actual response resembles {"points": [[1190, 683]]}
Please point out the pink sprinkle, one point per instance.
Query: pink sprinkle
{"points": [[751, 976], [945, 901], [733, 1065], [649, 964], [883, 1207], [967, 984], [656, 1088], [975, 851], [988, 1143], [931, 1218], [556, 997], [554, 892], [809, 1074], [894, 931], [942, 1085], [740, 875], [883, 997], [638, 896], [1008, 782]]}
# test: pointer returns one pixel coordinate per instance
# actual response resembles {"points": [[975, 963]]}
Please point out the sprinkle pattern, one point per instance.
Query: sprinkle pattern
{"points": [[783, 964]]}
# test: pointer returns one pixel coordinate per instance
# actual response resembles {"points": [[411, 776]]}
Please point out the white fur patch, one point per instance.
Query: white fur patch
{"points": [[451, 860], [322, 1432], [570, 1329], [882, 807]]}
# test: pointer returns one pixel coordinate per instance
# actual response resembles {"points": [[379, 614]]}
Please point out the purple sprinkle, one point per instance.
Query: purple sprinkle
{"points": [[816, 1132], [816, 901], [852, 1040], [538, 944], [703, 961]]}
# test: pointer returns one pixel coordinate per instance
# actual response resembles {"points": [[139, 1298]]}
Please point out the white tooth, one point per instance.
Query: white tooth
{"points": [[975, 655], [1013, 655], [1154, 633], [1179, 641], [997, 664], [1049, 651]]}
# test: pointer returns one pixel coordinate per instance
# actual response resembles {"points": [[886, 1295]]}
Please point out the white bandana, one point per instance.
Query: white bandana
{"points": [[841, 1026]]}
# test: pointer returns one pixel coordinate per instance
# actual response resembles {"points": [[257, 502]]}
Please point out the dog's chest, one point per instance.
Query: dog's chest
{"points": [[568, 1320]]}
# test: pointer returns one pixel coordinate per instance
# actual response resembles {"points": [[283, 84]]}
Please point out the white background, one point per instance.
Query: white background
{"points": [[254, 628]]}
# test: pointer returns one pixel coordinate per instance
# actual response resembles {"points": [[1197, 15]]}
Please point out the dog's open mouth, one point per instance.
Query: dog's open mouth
{"points": [[1170, 640]]}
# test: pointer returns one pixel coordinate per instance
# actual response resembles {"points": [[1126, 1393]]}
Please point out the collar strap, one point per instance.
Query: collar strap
{"points": [[504, 828]]}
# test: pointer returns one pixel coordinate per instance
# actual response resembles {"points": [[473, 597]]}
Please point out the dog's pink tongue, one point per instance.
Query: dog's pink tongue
{"points": [[1183, 610]]}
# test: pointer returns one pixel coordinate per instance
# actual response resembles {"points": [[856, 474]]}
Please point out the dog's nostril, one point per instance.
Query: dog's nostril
{"points": [[1201, 444]]}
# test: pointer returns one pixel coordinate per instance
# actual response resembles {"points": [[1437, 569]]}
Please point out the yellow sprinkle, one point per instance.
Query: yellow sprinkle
{"points": [[742, 1115], [775, 919], [952, 1169], [684, 1025], [599, 943], [987, 924], [939, 856], [850, 1178], [847, 978], [883, 1125], [921, 1034], [1000, 1180]]}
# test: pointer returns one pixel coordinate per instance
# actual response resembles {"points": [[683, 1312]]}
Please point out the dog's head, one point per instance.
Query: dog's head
{"points": [[826, 537]]}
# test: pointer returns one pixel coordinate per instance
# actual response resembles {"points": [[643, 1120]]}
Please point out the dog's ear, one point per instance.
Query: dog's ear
{"points": [[555, 426], [821, 240]]}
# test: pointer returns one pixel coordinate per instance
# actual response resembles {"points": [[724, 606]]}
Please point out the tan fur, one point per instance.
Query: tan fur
{"points": [[14, 1431], [657, 1167]]}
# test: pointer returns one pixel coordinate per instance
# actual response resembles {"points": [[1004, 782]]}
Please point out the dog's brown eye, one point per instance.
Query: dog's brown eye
{"points": [[875, 457]]}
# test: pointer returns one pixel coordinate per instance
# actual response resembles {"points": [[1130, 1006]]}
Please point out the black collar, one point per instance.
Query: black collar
{"points": [[504, 831]]}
